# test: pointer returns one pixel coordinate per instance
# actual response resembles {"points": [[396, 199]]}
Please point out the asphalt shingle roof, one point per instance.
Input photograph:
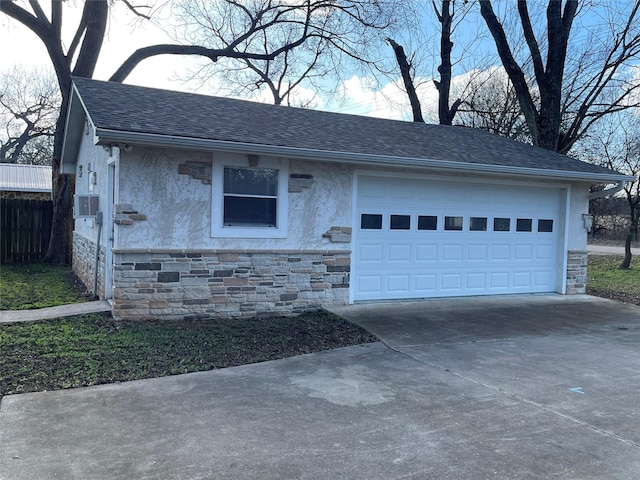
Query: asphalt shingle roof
{"points": [[129, 108]]}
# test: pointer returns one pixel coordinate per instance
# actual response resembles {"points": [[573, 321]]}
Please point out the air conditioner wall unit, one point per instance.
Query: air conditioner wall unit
{"points": [[85, 206]]}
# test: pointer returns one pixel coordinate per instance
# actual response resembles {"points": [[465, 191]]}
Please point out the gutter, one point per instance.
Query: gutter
{"points": [[609, 191], [106, 136]]}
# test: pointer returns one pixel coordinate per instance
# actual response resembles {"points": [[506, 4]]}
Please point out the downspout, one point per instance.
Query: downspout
{"points": [[610, 191], [95, 266]]}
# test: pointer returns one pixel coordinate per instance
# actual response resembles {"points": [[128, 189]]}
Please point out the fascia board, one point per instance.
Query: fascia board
{"points": [[106, 136]]}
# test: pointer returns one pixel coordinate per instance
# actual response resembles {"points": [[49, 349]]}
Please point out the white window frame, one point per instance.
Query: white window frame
{"points": [[218, 229]]}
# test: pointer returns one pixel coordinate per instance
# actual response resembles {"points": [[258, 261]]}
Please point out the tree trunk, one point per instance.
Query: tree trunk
{"points": [[633, 227], [405, 69], [445, 114], [626, 263]]}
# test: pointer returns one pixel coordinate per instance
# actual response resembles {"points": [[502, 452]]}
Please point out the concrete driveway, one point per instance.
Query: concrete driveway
{"points": [[479, 388]]}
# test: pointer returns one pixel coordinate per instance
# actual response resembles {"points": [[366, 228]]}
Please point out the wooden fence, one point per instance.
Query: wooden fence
{"points": [[25, 226]]}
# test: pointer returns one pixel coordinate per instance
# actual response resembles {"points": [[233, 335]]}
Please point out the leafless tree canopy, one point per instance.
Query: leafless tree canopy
{"points": [[588, 71], [29, 108], [281, 44]]}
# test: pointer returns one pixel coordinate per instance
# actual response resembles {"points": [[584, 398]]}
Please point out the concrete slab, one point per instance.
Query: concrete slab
{"points": [[442, 403], [12, 316]]}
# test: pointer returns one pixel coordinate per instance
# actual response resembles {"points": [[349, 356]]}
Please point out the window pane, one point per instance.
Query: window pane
{"points": [[453, 223], [247, 211], [523, 225], [244, 181], [501, 224], [427, 222], [400, 222], [370, 222], [545, 226], [478, 224]]}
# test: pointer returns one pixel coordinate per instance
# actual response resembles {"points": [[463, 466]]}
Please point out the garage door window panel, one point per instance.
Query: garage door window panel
{"points": [[453, 223], [524, 224], [545, 226], [370, 221], [501, 224], [478, 224], [400, 222], [427, 222]]}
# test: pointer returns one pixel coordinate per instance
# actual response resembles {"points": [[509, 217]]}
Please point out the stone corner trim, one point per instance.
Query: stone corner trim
{"points": [[197, 170], [227, 284], [125, 214], [338, 234], [577, 261]]}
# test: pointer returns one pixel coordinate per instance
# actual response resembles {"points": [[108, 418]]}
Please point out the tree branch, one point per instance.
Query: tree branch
{"points": [[405, 70]]}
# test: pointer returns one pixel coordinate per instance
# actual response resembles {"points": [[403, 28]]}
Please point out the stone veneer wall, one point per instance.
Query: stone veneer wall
{"points": [[13, 195], [215, 284], [83, 262], [577, 272]]}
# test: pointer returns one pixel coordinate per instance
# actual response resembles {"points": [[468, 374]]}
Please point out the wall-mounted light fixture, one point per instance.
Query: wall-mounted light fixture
{"points": [[588, 221]]}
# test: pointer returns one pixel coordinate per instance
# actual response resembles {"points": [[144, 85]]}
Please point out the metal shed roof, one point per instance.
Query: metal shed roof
{"points": [[25, 178]]}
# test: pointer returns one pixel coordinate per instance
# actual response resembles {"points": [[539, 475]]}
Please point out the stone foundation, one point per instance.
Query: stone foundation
{"points": [[577, 272], [83, 263], [215, 284]]}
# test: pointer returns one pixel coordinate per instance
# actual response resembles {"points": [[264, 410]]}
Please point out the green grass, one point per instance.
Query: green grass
{"points": [[89, 350], [605, 279], [24, 287], [93, 349]]}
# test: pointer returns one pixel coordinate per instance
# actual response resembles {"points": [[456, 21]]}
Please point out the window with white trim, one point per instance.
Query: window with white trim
{"points": [[250, 197], [250, 202]]}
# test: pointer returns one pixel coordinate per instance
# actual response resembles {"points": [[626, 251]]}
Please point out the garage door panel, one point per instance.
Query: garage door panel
{"points": [[399, 253], [369, 284], [545, 252], [426, 253], [500, 252], [451, 281], [425, 283], [452, 253], [477, 281], [370, 253], [419, 258], [523, 252], [499, 280], [477, 253], [521, 279], [398, 283]]}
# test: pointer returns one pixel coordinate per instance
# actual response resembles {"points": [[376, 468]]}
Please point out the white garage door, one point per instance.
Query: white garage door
{"points": [[417, 238]]}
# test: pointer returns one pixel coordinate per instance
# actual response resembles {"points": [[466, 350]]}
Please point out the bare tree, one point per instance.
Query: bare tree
{"points": [[444, 15], [490, 104], [334, 32], [407, 73], [29, 108], [615, 143], [79, 58], [598, 85]]}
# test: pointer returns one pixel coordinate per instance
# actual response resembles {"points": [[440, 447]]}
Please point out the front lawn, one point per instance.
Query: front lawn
{"points": [[93, 349], [25, 287], [605, 279]]}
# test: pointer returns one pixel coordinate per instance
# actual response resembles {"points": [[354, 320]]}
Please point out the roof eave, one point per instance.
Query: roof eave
{"points": [[106, 136]]}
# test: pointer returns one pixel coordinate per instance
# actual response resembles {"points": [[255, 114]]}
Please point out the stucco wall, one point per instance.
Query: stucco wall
{"points": [[92, 163], [579, 204], [177, 205]]}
